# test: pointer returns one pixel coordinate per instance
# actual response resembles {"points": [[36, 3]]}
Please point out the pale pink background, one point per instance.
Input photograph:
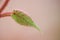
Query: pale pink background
{"points": [[45, 14]]}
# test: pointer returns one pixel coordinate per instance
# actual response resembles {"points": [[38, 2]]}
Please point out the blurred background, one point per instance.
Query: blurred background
{"points": [[45, 14]]}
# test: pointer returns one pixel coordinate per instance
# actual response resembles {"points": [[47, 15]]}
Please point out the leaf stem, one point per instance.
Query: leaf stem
{"points": [[5, 14]]}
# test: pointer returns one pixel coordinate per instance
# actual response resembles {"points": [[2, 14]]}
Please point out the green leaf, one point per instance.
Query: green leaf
{"points": [[23, 19]]}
